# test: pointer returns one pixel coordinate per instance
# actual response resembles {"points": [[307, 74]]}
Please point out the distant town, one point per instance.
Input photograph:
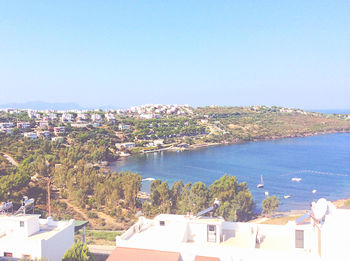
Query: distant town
{"points": [[155, 127]]}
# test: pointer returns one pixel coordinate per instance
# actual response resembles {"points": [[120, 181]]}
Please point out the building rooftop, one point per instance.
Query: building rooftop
{"points": [[134, 254]]}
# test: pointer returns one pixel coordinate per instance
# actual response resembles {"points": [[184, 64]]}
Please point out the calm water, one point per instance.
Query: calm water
{"points": [[322, 162]]}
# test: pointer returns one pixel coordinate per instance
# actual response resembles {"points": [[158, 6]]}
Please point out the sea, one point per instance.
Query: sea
{"points": [[321, 162]]}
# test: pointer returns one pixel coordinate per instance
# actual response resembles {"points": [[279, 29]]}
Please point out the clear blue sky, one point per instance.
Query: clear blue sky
{"points": [[123, 53]]}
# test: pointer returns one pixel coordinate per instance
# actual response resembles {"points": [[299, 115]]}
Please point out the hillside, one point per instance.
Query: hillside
{"points": [[75, 154]]}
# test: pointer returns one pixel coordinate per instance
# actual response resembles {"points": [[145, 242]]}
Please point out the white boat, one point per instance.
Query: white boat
{"points": [[266, 193], [286, 196], [314, 191], [261, 185], [296, 179]]}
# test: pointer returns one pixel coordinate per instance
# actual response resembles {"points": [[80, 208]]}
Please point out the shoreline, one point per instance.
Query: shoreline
{"points": [[206, 145], [284, 216]]}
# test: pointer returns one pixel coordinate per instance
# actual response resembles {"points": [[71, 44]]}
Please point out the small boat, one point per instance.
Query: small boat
{"points": [[266, 193], [296, 179], [286, 196], [314, 191], [261, 184]]}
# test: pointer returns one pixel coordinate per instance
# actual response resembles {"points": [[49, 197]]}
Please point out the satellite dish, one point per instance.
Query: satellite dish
{"points": [[320, 208]]}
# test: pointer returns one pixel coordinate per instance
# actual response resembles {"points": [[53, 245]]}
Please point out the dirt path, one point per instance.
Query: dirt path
{"points": [[75, 208], [10, 159], [110, 221]]}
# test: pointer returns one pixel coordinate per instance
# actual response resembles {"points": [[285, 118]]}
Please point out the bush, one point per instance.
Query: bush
{"points": [[92, 215], [78, 252]]}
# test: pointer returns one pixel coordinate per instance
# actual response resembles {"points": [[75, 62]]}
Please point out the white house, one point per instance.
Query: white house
{"points": [[44, 134], [31, 135], [110, 117], [59, 130], [96, 117], [323, 234], [5, 125], [123, 126], [82, 117], [28, 236], [23, 125], [127, 145], [43, 124], [67, 117]]}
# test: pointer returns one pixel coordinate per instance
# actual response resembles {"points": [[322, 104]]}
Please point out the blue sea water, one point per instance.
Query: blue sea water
{"points": [[322, 162]]}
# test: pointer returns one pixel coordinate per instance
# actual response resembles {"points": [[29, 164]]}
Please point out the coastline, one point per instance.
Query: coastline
{"points": [[205, 145]]}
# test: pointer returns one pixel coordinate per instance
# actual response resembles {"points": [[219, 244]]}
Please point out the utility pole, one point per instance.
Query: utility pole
{"points": [[48, 197]]}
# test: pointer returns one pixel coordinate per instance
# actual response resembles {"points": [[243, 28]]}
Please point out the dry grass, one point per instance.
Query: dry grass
{"points": [[280, 220]]}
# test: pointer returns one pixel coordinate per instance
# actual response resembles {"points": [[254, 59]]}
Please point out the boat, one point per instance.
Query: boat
{"points": [[266, 193], [296, 179], [286, 196], [261, 184], [314, 191]]}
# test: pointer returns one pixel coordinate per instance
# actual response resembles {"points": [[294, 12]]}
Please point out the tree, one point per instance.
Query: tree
{"points": [[198, 197], [78, 252], [270, 204], [160, 196], [236, 199], [183, 205], [176, 190]]}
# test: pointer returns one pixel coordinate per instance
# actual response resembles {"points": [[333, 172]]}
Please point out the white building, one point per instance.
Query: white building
{"points": [[28, 236], [110, 117], [127, 145], [123, 126], [5, 125], [7, 130], [31, 135], [96, 117], [67, 117], [59, 130], [44, 134], [82, 117], [23, 125], [43, 124], [323, 235]]}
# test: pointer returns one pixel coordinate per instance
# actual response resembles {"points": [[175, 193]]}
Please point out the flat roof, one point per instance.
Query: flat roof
{"points": [[137, 254]]}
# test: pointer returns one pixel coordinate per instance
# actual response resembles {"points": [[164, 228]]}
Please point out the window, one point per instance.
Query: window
{"points": [[7, 254], [211, 233], [162, 223], [299, 238], [21, 223], [211, 228]]}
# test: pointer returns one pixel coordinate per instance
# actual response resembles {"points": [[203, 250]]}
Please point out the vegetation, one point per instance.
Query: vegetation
{"points": [[99, 237], [78, 252], [82, 186], [270, 204], [235, 198]]}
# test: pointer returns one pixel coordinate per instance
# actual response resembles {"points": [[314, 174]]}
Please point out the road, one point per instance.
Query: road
{"points": [[10, 159]]}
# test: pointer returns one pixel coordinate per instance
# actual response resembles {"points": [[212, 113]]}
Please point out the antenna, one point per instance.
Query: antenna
{"points": [[6, 207], [27, 204], [320, 208]]}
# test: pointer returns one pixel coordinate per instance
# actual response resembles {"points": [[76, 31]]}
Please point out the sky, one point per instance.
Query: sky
{"points": [[125, 53]]}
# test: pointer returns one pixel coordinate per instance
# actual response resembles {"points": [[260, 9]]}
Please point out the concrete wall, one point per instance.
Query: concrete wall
{"points": [[19, 247], [335, 236], [54, 248]]}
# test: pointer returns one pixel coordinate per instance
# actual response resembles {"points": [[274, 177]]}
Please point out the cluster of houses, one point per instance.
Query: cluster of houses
{"points": [[151, 111], [41, 129]]}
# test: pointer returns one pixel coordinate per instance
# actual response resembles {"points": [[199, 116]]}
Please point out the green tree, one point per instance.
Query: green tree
{"points": [[78, 252], [270, 204], [198, 197], [176, 190]]}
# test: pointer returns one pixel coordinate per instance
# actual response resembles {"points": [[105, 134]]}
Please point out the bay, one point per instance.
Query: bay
{"points": [[322, 162]]}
